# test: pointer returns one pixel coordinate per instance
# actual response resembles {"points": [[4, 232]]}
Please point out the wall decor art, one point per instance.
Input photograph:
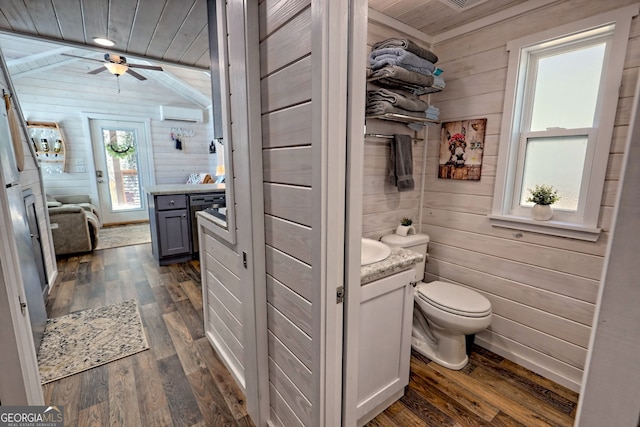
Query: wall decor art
{"points": [[461, 148]]}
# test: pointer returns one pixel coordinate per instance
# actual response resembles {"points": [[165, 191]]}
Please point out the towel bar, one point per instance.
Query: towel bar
{"points": [[378, 135]]}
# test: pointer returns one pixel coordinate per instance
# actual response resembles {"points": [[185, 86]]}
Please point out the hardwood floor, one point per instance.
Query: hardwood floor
{"points": [[180, 381]]}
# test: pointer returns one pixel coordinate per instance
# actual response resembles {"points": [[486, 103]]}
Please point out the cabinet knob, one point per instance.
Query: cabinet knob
{"points": [[172, 202]]}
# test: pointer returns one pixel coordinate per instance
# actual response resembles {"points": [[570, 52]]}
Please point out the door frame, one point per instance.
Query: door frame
{"points": [[145, 154], [358, 24]]}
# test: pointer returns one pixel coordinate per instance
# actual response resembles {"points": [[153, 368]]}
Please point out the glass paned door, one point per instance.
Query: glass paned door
{"points": [[119, 178], [119, 146]]}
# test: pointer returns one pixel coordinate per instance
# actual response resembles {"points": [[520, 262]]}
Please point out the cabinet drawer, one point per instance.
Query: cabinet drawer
{"points": [[171, 201]]}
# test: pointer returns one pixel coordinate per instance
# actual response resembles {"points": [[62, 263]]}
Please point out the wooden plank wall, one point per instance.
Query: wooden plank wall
{"points": [[62, 96], [542, 288], [383, 206], [222, 300], [285, 57]]}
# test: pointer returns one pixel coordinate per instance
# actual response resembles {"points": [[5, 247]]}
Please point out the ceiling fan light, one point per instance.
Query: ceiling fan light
{"points": [[103, 42], [117, 69]]}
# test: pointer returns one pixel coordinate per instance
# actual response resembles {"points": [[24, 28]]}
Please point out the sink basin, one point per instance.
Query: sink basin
{"points": [[373, 251]]}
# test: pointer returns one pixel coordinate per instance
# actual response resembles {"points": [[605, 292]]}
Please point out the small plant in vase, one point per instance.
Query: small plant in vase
{"points": [[543, 196], [405, 227]]}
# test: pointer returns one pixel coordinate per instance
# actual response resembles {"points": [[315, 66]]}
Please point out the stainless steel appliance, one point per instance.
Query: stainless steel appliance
{"points": [[201, 202], [19, 223]]}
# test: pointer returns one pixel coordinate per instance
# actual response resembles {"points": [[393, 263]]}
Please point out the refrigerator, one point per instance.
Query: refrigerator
{"points": [[31, 281]]}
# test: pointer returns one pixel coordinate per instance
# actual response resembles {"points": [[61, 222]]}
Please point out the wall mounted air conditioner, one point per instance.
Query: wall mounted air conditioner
{"points": [[167, 112]]}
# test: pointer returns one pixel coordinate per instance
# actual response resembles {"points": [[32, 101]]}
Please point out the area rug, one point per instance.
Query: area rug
{"points": [[123, 235], [89, 338]]}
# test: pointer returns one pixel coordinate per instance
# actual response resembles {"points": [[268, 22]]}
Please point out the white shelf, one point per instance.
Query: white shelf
{"points": [[403, 118]]}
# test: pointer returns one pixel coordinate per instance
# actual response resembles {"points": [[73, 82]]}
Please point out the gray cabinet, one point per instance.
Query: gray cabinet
{"points": [[170, 228]]}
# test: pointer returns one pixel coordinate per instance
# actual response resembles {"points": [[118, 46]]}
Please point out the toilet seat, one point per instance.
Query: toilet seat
{"points": [[454, 299]]}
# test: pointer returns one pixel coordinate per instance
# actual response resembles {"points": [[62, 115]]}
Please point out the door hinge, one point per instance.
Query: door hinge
{"points": [[339, 294], [244, 259]]}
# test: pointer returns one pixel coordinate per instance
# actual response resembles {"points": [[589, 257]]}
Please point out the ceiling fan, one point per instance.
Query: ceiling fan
{"points": [[117, 65]]}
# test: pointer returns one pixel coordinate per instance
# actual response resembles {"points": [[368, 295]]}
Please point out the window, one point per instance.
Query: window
{"points": [[560, 105]]}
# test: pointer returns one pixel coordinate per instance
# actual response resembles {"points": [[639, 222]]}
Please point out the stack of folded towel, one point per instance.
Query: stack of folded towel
{"points": [[385, 101], [400, 63]]}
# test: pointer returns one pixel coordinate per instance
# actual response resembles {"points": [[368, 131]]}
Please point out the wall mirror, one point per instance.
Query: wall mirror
{"points": [[218, 53]]}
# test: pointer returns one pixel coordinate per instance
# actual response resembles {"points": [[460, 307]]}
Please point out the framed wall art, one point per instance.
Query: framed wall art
{"points": [[461, 148]]}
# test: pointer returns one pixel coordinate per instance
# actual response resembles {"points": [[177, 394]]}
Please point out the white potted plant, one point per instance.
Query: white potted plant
{"points": [[405, 227], [543, 196]]}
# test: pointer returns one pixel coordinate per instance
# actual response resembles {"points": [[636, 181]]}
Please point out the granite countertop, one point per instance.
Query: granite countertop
{"points": [[184, 188], [399, 260]]}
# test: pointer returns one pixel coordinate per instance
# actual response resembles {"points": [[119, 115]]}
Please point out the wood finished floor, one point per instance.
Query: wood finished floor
{"points": [[181, 382]]}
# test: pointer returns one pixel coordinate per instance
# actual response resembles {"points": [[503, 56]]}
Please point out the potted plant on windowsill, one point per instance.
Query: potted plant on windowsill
{"points": [[543, 196], [405, 227]]}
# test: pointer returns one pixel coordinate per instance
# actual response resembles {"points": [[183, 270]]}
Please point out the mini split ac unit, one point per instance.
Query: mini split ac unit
{"points": [[183, 114]]}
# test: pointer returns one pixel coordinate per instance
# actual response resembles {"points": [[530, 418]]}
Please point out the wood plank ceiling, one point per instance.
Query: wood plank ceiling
{"points": [[175, 31], [171, 31]]}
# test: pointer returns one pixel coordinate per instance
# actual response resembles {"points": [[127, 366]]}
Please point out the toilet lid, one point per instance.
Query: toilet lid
{"points": [[454, 299]]}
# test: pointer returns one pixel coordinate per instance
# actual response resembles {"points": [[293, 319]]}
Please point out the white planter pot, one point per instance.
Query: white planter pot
{"points": [[541, 212], [404, 230]]}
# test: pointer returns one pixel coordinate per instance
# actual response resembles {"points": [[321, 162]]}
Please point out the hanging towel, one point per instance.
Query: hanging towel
{"points": [[397, 99], [408, 45], [401, 163], [403, 58]]}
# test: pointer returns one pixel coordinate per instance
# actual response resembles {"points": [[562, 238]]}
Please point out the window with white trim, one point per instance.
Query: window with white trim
{"points": [[560, 105]]}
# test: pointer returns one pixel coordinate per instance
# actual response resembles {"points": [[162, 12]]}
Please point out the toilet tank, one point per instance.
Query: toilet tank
{"points": [[414, 242]]}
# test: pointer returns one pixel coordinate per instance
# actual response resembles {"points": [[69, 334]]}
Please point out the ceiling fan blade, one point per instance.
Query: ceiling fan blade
{"points": [[136, 75], [81, 57], [97, 70], [146, 67]]}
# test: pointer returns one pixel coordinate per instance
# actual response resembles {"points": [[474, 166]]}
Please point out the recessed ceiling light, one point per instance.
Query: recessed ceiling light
{"points": [[103, 42]]}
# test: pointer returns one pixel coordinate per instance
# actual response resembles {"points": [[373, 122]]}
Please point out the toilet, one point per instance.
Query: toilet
{"points": [[443, 313]]}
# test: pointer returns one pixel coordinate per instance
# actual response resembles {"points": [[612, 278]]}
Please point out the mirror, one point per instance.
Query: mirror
{"points": [[218, 54]]}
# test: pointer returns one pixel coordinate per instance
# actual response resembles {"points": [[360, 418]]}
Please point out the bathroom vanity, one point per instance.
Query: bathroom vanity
{"points": [[386, 308]]}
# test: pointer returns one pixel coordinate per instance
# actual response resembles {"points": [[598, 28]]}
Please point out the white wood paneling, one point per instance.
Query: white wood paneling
{"points": [[291, 394], [290, 271], [288, 127], [287, 201], [542, 288], [291, 336], [292, 305], [299, 374], [61, 97], [289, 237], [285, 65]]}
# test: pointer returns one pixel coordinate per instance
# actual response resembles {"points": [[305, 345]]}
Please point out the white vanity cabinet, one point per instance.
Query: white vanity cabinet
{"points": [[386, 313]]}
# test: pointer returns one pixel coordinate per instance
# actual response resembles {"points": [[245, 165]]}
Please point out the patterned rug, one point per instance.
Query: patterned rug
{"points": [[123, 235], [86, 339]]}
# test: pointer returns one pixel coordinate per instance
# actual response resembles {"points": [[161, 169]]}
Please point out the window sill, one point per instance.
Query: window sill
{"points": [[551, 227]]}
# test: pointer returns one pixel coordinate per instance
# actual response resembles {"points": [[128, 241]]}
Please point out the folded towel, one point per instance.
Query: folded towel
{"points": [[375, 108], [401, 163], [403, 58], [408, 45], [397, 99]]}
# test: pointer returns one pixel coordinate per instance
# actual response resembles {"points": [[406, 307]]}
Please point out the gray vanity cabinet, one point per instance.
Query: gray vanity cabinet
{"points": [[170, 228]]}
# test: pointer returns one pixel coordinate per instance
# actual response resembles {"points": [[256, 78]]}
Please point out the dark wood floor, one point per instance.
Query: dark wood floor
{"points": [[181, 382]]}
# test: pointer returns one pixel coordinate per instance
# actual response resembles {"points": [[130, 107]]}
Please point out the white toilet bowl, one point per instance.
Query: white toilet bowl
{"points": [[443, 314]]}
